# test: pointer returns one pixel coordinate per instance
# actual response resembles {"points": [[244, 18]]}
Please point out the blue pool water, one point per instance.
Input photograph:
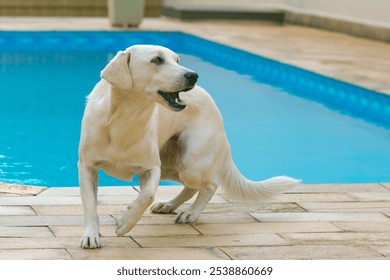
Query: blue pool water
{"points": [[279, 120]]}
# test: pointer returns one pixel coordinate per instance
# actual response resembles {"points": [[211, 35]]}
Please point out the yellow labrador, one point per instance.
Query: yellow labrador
{"points": [[146, 116]]}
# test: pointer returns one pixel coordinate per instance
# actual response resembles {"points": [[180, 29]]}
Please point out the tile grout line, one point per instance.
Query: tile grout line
{"points": [[368, 246], [136, 242], [50, 229], [66, 249], [383, 185], [280, 234], [41, 192], [253, 217], [194, 227], [33, 209], [301, 207], [220, 248]]}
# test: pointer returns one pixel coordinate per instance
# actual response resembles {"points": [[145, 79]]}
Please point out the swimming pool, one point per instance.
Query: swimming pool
{"points": [[280, 120]]}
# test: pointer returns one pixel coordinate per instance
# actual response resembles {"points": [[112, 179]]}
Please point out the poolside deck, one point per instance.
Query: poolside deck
{"points": [[310, 222]]}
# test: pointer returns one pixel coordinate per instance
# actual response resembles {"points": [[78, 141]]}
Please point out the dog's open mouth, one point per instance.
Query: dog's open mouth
{"points": [[173, 99]]}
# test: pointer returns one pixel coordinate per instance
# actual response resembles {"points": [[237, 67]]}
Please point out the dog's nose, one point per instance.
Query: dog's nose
{"points": [[191, 77]]}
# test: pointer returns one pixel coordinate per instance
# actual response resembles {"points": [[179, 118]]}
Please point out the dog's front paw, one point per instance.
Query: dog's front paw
{"points": [[90, 241], [163, 208], [123, 227], [186, 217]]}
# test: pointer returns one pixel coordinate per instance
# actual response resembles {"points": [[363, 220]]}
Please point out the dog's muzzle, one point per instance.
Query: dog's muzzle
{"points": [[173, 99]]}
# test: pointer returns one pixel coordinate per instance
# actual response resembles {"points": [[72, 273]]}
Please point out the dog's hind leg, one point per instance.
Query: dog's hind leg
{"points": [[169, 206], [88, 178], [148, 182], [192, 214]]}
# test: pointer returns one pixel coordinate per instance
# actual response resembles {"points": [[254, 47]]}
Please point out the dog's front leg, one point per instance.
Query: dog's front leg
{"points": [[149, 181], [88, 179]]}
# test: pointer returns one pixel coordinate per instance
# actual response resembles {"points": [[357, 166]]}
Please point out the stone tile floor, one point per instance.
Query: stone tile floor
{"points": [[309, 222], [329, 222]]}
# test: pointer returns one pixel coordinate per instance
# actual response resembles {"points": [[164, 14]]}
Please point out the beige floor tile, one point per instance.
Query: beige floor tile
{"points": [[382, 248], [63, 191], [77, 231], [154, 219], [41, 200], [55, 210], [9, 195], [38, 243], [102, 191], [252, 228], [230, 217], [62, 243], [163, 230], [115, 200], [302, 252], [63, 200], [366, 196], [118, 242], [58, 210], [35, 254], [319, 217], [169, 190], [25, 231], [168, 253], [16, 210], [366, 226], [118, 191], [338, 188], [386, 185], [212, 241], [148, 218], [336, 238], [299, 197], [215, 199], [346, 206], [138, 231], [159, 219], [252, 207], [50, 220]]}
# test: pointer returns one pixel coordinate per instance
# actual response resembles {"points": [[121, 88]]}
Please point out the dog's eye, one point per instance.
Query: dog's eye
{"points": [[158, 60]]}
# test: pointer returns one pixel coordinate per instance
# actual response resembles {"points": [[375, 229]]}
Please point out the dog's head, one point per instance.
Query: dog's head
{"points": [[153, 70]]}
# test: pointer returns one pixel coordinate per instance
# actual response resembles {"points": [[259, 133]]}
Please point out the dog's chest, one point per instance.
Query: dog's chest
{"points": [[124, 163], [121, 171]]}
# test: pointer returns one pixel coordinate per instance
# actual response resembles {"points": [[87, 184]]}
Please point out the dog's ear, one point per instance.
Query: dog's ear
{"points": [[117, 71]]}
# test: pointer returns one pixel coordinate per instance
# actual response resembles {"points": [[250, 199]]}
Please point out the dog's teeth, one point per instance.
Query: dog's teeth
{"points": [[179, 101]]}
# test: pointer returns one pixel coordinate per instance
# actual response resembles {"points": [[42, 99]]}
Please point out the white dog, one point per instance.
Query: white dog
{"points": [[135, 122]]}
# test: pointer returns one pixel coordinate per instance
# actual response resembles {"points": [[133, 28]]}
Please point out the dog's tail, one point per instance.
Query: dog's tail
{"points": [[240, 188]]}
